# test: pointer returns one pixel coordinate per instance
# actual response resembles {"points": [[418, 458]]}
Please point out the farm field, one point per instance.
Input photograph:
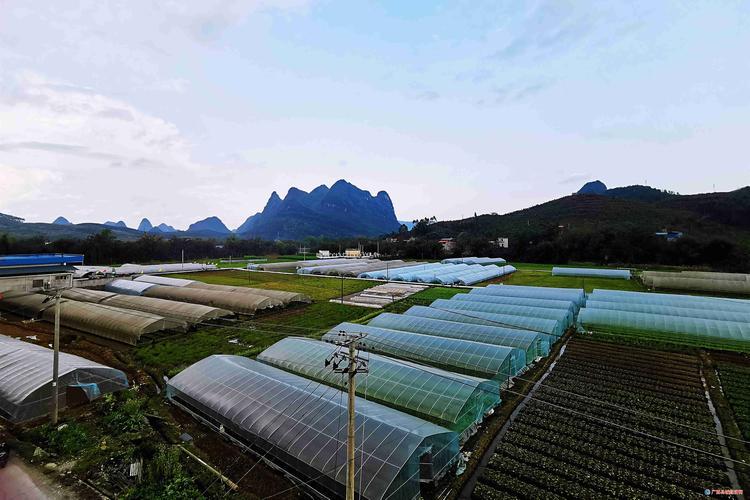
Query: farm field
{"points": [[564, 443], [318, 288], [541, 275]]}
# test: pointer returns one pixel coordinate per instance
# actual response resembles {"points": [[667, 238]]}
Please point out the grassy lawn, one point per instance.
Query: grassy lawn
{"points": [[318, 288], [541, 275]]}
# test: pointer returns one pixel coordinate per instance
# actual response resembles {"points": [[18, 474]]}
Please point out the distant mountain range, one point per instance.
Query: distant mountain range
{"points": [[343, 210]]}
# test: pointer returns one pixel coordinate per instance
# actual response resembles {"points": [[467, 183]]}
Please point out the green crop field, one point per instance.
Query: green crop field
{"points": [[318, 288], [541, 275]]}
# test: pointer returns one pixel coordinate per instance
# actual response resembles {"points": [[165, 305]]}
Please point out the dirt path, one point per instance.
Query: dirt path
{"points": [[19, 481]]}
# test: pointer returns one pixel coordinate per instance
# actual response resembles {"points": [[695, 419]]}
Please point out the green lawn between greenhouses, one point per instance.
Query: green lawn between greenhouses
{"points": [[541, 275]]}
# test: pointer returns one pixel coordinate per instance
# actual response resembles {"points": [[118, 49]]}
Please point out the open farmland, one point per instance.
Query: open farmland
{"points": [[318, 288], [541, 275], [611, 421]]}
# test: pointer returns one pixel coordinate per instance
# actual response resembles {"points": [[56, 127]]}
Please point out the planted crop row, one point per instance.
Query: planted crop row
{"points": [[735, 380], [628, 469], [633, 381], [639, 402], [643, 423], [635, 355], [663, 455], [650, 371], [577, 438]]}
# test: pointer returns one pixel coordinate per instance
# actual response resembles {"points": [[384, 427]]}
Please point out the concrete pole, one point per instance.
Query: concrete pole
{"points": [[56, 360], [351, 425]]}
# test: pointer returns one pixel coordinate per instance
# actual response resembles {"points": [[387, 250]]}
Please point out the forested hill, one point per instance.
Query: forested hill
{"points": [[619, 215]]}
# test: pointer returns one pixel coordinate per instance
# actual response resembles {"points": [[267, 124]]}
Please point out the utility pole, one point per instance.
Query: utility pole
{"points": [[354, 365], [56, 359]]}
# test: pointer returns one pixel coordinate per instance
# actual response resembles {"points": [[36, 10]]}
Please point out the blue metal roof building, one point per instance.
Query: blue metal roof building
{"points": [[23, 265]]}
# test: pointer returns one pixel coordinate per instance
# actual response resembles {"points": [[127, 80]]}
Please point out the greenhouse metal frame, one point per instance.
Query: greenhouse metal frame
{"points": [[302, 426], [457, 402], [530, 342], [26, 379], [477, 359]]}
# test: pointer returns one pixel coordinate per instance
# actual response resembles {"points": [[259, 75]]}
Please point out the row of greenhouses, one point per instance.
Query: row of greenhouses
{"points": [[588, 272], [682, 319], [441, 273], [484, 261], [698, 281], [433, 376]]}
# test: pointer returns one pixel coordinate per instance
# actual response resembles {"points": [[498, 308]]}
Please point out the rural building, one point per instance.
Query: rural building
{"points": [[449, 244], [29, 273]]}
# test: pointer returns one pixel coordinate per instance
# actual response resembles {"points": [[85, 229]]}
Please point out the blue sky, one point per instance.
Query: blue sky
{"points": [[180, 110]]}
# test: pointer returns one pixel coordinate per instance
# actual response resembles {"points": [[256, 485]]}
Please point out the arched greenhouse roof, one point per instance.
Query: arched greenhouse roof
{"points": [[543, 325], [531, 343], [462, 356], [26, 379], [455, 401], [302, 425]]}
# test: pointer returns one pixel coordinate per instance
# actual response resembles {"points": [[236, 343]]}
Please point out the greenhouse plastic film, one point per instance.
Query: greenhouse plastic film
{"points": [[458, 402], [688, 312], [564, 316], [536, 292], [588, 272], [26, 379], [462, 356], [530, 342], [690, 301], [543, 325], [568, 305], [302, 425], [696, 331]]}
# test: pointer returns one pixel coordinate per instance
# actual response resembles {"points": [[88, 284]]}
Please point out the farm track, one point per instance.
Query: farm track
{"points": [[576, 444]]}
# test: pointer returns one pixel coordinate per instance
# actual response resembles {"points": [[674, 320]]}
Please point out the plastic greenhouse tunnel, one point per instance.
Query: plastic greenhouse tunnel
{"points": [[477, 359], [668, 299], [532, 343], [301, 426], [729, 335], [568, 305], [564, 316], [687, 312], [587, 272], [541, 325], [536, 292], [457, 402]]}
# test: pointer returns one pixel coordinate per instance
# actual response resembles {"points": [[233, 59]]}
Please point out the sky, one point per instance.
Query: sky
{"points": [[177, 110]]}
